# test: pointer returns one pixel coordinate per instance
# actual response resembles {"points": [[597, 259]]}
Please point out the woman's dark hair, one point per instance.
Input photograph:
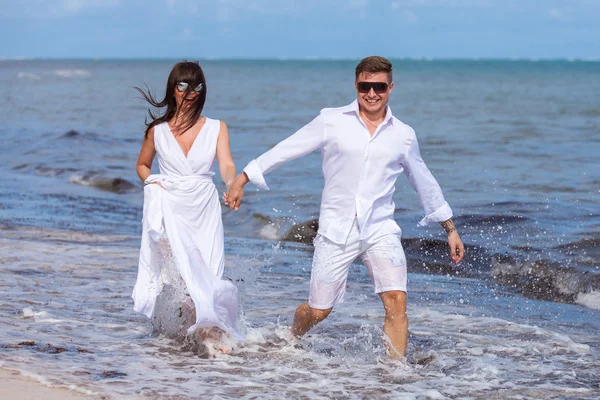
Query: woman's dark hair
{"points": [[184, 71]]}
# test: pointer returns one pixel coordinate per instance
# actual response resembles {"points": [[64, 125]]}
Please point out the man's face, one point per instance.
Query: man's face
{"points": [[375, 100]]}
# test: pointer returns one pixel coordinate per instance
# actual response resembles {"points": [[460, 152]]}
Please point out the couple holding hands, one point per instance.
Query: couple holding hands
{"points": [[364, 149]]}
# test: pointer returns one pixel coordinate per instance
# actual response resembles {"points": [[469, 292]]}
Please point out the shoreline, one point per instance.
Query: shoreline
{"points": [[16, 386]]}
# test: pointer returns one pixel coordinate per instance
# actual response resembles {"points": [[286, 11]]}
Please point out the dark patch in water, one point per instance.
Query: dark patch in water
{"points": [[477, 220], [99, 181], [589, 247], [261, 217], [303, 233], [431, 256], [545, 280], [421, 359], [70, 134], [27, 271], [44, 170], [113, 374], [47, 348]]}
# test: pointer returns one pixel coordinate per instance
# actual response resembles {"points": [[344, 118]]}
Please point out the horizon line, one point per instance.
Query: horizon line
{"points": [[308, 58]]}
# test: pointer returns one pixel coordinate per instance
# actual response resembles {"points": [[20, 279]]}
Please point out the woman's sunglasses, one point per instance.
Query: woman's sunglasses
{"points": [[183, 87], [378, 87]]}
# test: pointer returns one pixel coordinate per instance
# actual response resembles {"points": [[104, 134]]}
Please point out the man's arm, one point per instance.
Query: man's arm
{"points": [[432, 199], [303, 142], [457, 249]]}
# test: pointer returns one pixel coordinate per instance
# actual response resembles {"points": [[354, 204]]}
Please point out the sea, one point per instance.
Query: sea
{"points": [[515, 145]]}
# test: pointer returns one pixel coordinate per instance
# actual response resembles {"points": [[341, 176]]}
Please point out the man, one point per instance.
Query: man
{"points": [[364, 148]]}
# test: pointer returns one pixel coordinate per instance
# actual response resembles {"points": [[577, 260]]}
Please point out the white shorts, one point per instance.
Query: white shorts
{"points": [[384, 258]]}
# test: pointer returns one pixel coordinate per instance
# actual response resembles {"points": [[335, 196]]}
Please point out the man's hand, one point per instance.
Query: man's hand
{"points": [[457, 249], [235, 194]]}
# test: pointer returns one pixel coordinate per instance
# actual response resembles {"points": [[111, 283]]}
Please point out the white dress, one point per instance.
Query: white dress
{"points": [[183, 222]]}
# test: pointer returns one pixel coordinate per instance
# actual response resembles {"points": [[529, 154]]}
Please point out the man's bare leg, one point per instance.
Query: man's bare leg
{"points": [[306, 317], [395, 326]]}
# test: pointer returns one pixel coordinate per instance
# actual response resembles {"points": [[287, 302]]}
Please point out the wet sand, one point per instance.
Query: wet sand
{"points": [[16, 386]]}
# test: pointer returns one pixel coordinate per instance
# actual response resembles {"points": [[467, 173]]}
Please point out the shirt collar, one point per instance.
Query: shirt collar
{"points": [[353, 108]]}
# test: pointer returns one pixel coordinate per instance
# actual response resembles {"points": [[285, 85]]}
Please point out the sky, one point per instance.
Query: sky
{"points": [[535, 29]]}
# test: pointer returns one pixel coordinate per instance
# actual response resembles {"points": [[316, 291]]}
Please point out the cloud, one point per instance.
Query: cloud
{"points": [[558, 15], [75, 6], [230, 10], [408, 17], [361, 6], [185, 6], [238, 10]]}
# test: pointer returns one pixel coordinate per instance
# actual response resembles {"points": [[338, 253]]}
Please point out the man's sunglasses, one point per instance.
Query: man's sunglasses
{"points": [[183, 87], [378, 87]]}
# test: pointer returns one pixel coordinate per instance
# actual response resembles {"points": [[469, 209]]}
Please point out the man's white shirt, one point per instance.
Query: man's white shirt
{"points": [[360, 171]]}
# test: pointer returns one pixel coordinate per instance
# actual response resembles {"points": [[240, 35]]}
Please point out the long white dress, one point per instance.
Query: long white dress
{"points": [[183, 232]]}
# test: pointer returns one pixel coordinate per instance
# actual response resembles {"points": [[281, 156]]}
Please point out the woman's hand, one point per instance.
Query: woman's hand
{"points": [[235, 194]]}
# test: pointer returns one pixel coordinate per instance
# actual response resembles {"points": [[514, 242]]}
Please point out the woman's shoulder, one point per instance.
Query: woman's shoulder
{"points": [[215, 124], [208, 120], [156, 128]]}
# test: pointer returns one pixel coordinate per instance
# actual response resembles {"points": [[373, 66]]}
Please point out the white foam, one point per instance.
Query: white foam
{"points": [[269, 231], [28, 75], [72, 73], [29, 312], [41, 316], [451, 354], [590, 300]]}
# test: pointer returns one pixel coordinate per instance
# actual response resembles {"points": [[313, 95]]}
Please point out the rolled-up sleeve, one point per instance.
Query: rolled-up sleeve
{"points": [[308, 139], [422, 181]]}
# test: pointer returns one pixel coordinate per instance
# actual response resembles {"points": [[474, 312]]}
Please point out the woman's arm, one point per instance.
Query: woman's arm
{"points": [[147, 153], [224, 158]]}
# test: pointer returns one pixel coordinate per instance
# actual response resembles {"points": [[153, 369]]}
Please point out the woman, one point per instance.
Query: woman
{"points": [[179, 281]]}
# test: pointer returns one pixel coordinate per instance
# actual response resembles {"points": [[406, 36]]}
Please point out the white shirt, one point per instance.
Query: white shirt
{"points": [[360, 171]]}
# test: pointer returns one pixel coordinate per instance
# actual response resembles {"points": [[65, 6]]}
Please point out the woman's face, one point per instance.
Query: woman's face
{"points": [[184, 98]]}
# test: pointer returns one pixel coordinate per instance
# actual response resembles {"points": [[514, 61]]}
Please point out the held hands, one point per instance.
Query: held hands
{"points": [[457, 249], [235, 193]]}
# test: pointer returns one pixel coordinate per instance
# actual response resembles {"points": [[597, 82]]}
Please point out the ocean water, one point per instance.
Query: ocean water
{"points": [[514, 145]]}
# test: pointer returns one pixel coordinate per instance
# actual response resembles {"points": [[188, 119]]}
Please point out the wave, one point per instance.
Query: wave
{"points": [[584, 247], [285, 228], [98, 179], [90, 136], [103, 182], [63, 73], [589, 300], [476, 220], [44, 170], [71, 73], [96, 137], [541, 279], [546, 280], [28, 75]]}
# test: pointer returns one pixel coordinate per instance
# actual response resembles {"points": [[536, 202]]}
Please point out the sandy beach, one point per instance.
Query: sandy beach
{"points": [[16, 386]]}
